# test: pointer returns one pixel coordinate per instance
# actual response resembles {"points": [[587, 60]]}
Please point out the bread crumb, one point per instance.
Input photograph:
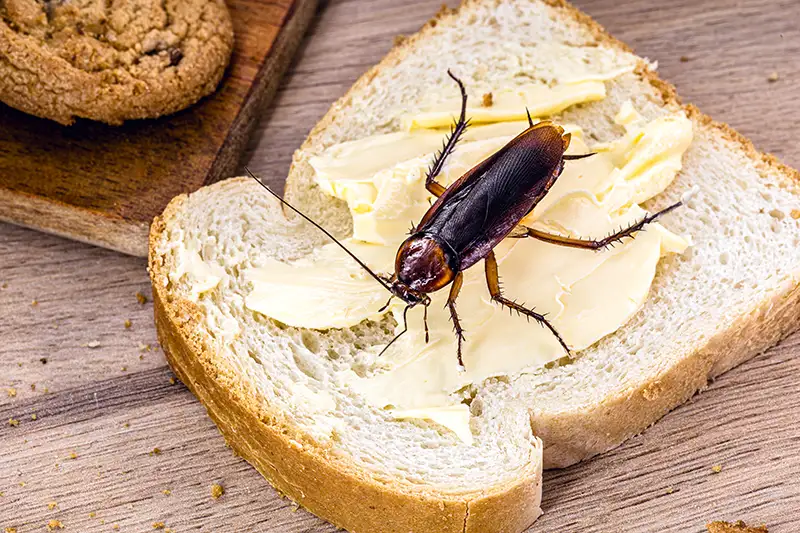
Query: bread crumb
{"points": [[156, 451], [772, 78], [294, 508], [217, 491], [52, 505], [488, 100], [13, 422], [93, 344], [34, 417], [10, 530], [4, 286], [716, 469], [159, 525], [126, 425], [92, 514], [73, 455], [172, 381], [144, 347], [166, 492], [141, 298], [22, 483], [115, 526], [684, 59], [33, 386], [124, 368], [12, 392], [54, 524], [399, 39], [737, 527], [35, 302], [128, 324], [671, 490], [43, 360]]}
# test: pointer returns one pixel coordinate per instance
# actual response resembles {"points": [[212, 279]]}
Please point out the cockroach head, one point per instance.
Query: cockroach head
{"points": [[425, 264]]}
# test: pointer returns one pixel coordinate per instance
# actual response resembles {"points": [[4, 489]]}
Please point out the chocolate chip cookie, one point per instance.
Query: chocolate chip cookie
{"points": [[111, 60]]}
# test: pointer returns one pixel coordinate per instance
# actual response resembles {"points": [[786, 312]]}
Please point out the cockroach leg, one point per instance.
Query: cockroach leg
{"points": [[576, 157], [425, 322], [386, 305], [455, 288], [493, 281], [433, 186], [590, 244], [405, 328]]}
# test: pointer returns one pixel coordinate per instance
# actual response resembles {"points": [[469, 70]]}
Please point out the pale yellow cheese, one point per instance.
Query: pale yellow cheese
{"points": [[586, 294], [511, 104], [455, 417]]}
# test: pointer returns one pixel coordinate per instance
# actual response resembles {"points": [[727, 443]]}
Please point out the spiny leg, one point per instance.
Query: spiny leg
{"points": [[433, 186], [493, 281], [451, 304], [591, 244]]}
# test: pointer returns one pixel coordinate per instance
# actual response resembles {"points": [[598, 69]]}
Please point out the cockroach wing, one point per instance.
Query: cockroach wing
{"points": [[482, 207]]}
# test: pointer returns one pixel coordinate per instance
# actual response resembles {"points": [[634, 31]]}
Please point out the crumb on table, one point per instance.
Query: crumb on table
{"points": [[217, 490], [736, 527], [141, 298], [52, 525]]}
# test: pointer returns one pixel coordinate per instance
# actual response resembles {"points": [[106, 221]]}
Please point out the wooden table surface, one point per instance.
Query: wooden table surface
{"points": [[116, 444]]}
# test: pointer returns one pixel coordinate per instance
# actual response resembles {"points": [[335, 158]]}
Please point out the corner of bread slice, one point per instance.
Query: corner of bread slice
{"points": [[732, 295], [347, 461]]}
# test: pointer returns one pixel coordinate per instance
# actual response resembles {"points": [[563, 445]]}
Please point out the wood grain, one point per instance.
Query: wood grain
{"points": [[104, 184], [748, 421]]}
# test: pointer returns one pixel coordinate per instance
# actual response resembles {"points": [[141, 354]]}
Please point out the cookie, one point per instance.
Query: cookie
{"points": [[111, 61]]}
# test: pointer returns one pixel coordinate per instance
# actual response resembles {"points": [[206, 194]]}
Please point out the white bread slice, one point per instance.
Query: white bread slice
{"points": [[269, 387]]}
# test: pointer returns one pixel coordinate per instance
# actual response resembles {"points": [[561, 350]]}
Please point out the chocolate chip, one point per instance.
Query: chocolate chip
{"points": [[175, 56]]}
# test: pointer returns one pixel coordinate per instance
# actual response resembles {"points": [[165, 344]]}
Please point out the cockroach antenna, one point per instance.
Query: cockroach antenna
{"points": [[323, 230]]}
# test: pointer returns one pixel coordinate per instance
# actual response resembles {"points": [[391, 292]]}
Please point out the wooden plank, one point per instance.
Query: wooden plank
{"points": [[104, 184], [748, 421]]}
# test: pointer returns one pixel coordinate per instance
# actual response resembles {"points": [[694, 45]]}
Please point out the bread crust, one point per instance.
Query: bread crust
{"points": [[336, 489]]}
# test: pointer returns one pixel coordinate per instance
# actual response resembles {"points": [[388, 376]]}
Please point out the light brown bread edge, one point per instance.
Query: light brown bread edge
{"points": [[573, 437], [336, 492]]}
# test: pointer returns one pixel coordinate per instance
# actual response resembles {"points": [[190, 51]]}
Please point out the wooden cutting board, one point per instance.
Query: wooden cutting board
{"points": [[104, 184]]}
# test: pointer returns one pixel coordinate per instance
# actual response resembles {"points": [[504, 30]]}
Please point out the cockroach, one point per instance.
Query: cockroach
{"points": [[471, 216]]}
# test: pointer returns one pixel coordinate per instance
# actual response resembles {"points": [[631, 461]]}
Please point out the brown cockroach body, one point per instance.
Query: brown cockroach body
{"points": [[480, 209]]}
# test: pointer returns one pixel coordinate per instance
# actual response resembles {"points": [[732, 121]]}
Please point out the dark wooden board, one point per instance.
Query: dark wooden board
{"points": [[104, 184], [748, 420]]}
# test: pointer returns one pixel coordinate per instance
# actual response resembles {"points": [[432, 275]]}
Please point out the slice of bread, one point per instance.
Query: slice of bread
{"points": [[274, 392]]}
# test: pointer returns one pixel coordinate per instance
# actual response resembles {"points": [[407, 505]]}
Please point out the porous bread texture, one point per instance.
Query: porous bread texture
{"points": [[732, 295]]}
